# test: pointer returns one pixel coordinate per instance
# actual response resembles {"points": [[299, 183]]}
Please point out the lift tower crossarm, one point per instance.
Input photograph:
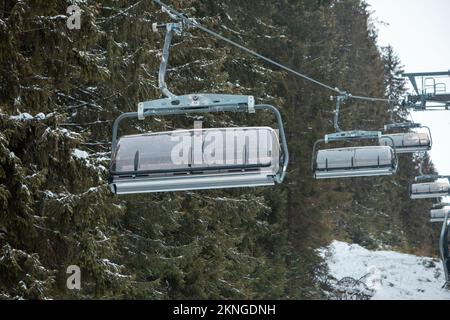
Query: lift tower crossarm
{"points": [[413, 75], [427, 74]]}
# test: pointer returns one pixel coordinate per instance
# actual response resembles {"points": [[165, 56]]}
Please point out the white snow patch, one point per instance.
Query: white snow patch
{"points": [[90, 160], [40, 116], [22, 117], [25, 116], [80, 154], [392, 275]]}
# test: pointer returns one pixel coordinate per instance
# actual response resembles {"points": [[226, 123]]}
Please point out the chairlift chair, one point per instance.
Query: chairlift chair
{"points": [[429, 186], [409, 142], [362, 161], [429, 190], [438, 215], [144, 163]]}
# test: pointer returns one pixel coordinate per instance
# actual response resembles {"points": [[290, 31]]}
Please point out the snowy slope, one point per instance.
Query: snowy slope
{"points": [[388, 275]]}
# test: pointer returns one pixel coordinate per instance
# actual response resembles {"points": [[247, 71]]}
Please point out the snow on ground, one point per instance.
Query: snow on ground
{"points": [[391, 275]]}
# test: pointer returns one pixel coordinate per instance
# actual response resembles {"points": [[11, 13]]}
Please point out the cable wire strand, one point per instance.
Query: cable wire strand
{"points": [[195, 24]]}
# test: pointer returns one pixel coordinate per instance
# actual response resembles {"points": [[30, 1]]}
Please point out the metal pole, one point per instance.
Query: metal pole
{"points": [[172, 28]]}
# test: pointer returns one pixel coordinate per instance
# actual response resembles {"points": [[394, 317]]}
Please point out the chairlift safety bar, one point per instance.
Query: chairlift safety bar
{"points": [[402, 125], [352, 135]]}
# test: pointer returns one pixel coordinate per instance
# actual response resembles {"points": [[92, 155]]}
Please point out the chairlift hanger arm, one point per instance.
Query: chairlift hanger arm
{"points": [[174, 14], [347, 135], [339, 100], [172, 28], [399, 125]]}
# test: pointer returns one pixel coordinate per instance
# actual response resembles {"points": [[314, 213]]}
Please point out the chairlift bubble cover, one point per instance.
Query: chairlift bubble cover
{"points": [[439, 213], [195, 159], [407, 142], [355, 162], [429, 190]]}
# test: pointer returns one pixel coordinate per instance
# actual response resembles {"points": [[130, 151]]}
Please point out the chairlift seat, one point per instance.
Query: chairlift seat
{"points": [[429, 190], [407, 142], [195, 159], [355, 162]]}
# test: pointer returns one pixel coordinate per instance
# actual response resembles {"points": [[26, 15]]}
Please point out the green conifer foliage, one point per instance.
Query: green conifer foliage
{"points": [[61, 89]]}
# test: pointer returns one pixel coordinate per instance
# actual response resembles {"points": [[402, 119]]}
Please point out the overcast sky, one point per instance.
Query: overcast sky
{"points": [[419, 31]]}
